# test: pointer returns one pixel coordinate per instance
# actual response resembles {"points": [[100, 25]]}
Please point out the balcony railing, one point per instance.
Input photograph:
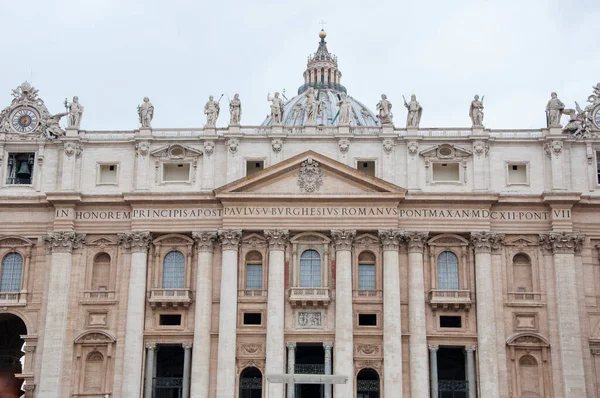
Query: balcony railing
{"points": [[12, 298], [170, 297], [98, 295], [252, 293], [309, 369], [367, 295], [524, 296], [455, 299], [309, 296]]}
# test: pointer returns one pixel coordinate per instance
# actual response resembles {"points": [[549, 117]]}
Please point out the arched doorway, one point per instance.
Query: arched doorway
{"points": [[251, 383], [11, 343], [367, 384]]}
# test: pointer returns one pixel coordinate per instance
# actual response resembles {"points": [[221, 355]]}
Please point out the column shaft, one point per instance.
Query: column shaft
{"points": [[328, 368], [187, 352], [433, 370], [291, 365], [417, 326], [150, 350], [470, 351]]}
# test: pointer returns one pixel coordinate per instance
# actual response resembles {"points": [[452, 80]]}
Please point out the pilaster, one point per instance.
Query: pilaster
{"points": [[291, 365], [412, 163], [71, 152], [433, 370], [208, 166], [554, 150], [142, 162]]}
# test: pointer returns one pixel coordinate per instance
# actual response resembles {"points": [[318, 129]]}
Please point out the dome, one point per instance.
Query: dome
{"points": [[323, 75]]}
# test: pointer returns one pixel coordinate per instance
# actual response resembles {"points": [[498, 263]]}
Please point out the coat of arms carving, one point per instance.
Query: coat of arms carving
{"points": [[310, 177]]}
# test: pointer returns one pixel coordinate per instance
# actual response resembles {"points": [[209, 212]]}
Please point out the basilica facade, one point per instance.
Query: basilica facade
{"points": [[332, 251]]}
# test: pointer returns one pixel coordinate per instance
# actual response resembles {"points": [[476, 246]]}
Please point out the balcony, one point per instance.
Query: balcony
{"points": [[170, 298], [450, 299], [525, 299], [8, 299], [252, 295], [309, 369], [367, 296], [309, 296], [98, 296]]}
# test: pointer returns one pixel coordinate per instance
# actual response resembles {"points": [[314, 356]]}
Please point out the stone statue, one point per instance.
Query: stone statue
{"points": [[75, 113], [211, 110], [235, 110], [415, 110], [476, 112], [579, 124], [276, 108], [53, 129], [345, 109], [313, 107], [554, 111], [146, 113], [384, 107]]}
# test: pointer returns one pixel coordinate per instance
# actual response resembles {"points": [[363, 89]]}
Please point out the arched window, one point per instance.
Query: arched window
{"points": [[12, 270], [101, 272], [522, 277], [250, 383], [447, 269], [254, 271], [93, 377], [173, 270], [310, 269], [366, 271], [367, 384], [529, 377]]}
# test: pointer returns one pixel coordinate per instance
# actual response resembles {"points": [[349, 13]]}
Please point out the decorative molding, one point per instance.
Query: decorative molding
{"points": [[481, 148], [413, 148], [388, 146], [344, 145], [415, 240], [136, 241], [72, 148], [187, 346], [390, 238], [230, 238], [277, 238], [309, 319], [368, 349], [209, 148], [595, 351], [277, 145], [562, 242], [205, 240], [63, 241], [373, 364], [553, 147], [343, 238], [310, 176], [151, 346], [250, 348], [446, 152], [176, 152], [142, 148], [486, 241], [233, 145]]}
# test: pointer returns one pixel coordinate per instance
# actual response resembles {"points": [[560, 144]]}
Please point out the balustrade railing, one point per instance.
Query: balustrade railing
{"points": [[453, 388], [170, 296], [99, 294], [524, 296], [309, 291], [252, 293], [302, 296], [167, 382], [312, 369], [7, 298], [367, 293], [454, 295]]}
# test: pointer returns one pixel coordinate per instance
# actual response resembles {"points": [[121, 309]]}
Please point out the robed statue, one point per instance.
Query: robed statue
{"points": [[276, 108], [384, 109], [146, 113], [235, 110], [554, 111], [345, 108], [476, 111], [211, 110], [415, 110], [75, 113]]}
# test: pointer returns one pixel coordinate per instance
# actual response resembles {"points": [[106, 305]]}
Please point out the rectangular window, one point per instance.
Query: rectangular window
{"points": [[366, 277], [108, 174], [169, 320], [176, 172], [254, 166], [20, 168], [254, 276], [446, 172], [517, 174], [367, 319], [450, 321], [252, 318], [366, 166]]}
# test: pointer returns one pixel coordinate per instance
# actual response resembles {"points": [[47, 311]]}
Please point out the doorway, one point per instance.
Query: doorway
{"points": [[11, 343], [168, 382], [310, 359], [452, 381]]}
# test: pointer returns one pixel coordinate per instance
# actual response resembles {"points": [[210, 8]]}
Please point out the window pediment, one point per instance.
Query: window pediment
{"points": [[176, 152], [446, 152], [14, 241], [173, 240], [448, 240], [310, 238], [520, 241], [528, 340]]}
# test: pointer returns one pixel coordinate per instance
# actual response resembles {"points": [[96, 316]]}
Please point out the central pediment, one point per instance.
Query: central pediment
{"points": [[310, 174]]}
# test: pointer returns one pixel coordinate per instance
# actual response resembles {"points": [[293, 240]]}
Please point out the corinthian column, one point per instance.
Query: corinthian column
{"points": [[392, 321], [484, 242], [202, 315], [230, 239], [277, 239], [61, 245], [137, 243], [563, 246], [419, 374], [343, 360]]}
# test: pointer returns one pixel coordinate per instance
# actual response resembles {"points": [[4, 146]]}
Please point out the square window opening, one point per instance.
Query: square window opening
{"points": [[169, 320], [108, 174], [252, 318], [366, 166], [446, 172], [254, 166], [20, 168], [176, 172], [517, 174], [367, 319], [450, 321]]}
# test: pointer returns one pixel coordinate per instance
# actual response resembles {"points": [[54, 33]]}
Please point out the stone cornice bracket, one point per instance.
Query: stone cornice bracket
{"points": [[562, 242], [486, 241], [230, 238], [343, 238], [415, 240], [136, 241], [205, 240], [277, 238], [390, 238], [63, 241]]}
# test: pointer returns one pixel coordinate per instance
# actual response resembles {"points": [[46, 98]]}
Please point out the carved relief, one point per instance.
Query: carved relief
{"points": [[446, 152], [481, 148], [485, 241], [553, 147], [63, 241], [310, 176], [176, 152], [277, 238], [388, 146], [277, 145], [344, 145], [413, 148], [72, 148], [562, 242], [310, 319], [136, 241], [343, 238], [230, 238], [415, 240], [252, 349], [368, 349], [232, 145], [209, 148], [390, 238], [142, 148], [205, 240]]}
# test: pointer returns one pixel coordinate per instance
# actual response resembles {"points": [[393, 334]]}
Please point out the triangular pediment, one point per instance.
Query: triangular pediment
{"points": [[310, 174], [520, 241]]}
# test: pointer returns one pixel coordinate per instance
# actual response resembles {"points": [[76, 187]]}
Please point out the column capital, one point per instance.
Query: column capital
{"points": [[486, 241], [415, 240], [433, 347], [390, 238], [291, 345], [151, 346], [63, 241], [470, 348], [562, 242], [230, 238], [343, 238], [136, 241], [205, 240], [277, 238], [595, 351], [187, 346], [328, 345]]}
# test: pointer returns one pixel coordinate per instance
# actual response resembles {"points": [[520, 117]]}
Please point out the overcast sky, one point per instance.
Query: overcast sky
{"points": [[112, 53]]}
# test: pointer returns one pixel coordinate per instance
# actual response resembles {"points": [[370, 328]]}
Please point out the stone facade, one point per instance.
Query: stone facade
{"points": [[471, 249]]}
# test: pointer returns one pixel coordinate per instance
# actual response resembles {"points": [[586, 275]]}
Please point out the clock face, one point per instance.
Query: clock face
{"points": [[25, 120]]}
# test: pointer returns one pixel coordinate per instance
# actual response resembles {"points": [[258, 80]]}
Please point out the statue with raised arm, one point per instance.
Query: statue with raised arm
{"points": [[146, 113], [345, 108], [276, 108], [554, 111], [53, 129], [415, 110], [211, 110], [476, 111], [235, 110], [384, 109], [313, 107], [75, 113]]}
